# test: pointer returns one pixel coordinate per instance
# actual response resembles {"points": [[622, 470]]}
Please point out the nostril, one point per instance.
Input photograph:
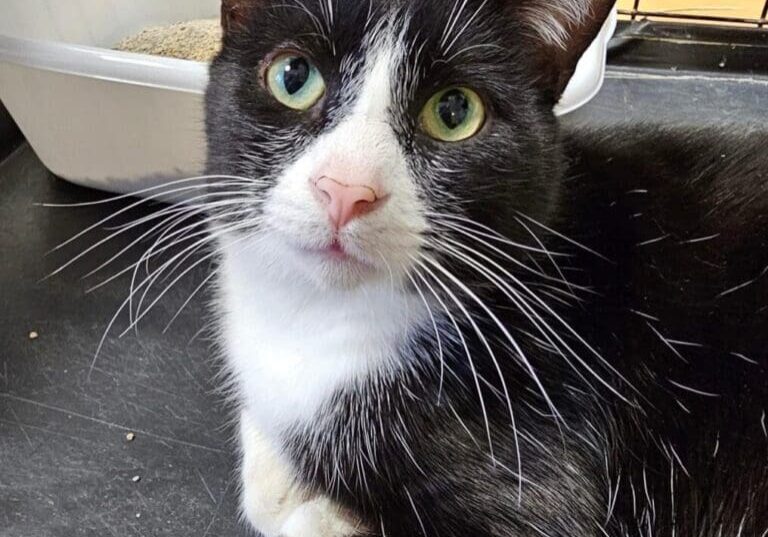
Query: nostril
{"points": [[363, 206]]}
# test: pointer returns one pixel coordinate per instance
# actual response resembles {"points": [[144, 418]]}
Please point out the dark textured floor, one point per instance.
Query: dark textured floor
{"points": [[66, 468]]}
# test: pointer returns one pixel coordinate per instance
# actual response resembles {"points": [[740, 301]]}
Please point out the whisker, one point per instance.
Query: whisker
{"points": [[122, 307], [199, 288], [551, 258], [111, 217], [439, 340], [138, 193], [212, 237], [520, 304], [566, 239], [170, 218], [149, 254], [562, 322], [492, 355], [464, 344], [490, 233], [514, 260], [501, 327]]}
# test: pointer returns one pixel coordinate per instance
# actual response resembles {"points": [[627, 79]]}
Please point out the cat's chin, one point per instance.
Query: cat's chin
{"points": [[329, 266], [334, 267]]}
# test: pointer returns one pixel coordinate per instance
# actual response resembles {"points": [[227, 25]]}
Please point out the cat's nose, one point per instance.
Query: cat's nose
{"points": [[344, 202]]}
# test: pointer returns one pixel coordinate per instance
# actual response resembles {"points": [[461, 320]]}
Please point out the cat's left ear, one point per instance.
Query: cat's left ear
{"points": [[236, 13], [560, 31]]}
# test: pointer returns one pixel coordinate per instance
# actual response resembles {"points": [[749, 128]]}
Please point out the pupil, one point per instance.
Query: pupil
{"points": [[453, 108], [295, 75]]}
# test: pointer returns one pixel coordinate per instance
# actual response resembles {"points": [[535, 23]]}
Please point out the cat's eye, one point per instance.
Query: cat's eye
{"points": [[295, 81], [453, 115]]}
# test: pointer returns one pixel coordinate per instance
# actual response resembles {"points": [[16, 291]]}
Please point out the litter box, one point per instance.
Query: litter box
{"points": [[122, 122]]}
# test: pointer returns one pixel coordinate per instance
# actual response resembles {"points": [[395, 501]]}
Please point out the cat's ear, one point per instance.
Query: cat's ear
{"points": [[235, 14], [560, 31]]}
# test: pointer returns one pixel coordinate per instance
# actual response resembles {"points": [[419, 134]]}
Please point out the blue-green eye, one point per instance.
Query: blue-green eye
{"points": [[295, 81]]}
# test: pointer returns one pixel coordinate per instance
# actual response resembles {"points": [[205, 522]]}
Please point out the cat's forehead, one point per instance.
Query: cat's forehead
{"points": [[436, 27]]}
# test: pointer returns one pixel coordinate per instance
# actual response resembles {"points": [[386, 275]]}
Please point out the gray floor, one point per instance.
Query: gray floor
{"points": [[66, 468]]}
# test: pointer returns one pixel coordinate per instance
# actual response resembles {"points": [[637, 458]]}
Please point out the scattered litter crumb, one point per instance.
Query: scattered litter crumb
{"points": [[33, 335], [136, 478], [130, 437], [197, 40]]}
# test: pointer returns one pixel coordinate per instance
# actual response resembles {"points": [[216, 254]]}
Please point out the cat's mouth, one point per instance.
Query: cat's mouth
{"points": [[336, 252]]}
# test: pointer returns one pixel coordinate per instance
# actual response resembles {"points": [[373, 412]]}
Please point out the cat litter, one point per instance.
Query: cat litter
{"points": [[197, 40], [33, 335]]}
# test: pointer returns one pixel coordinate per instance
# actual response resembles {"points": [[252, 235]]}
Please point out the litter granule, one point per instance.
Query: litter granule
{"points": [[197, 40]]}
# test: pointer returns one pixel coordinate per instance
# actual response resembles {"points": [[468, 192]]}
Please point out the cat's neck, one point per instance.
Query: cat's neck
{"points": [[294, 345]]}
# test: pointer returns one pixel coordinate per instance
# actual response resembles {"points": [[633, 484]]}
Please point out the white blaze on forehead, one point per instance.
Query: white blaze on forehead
{"points": [[378, 85], [364, 135]]}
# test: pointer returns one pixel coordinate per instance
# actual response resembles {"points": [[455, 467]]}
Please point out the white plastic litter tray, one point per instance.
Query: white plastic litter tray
{"points": [[120, 121]]}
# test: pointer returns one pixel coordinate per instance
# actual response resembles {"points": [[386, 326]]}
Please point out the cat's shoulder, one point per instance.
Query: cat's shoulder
{"points": [[684, 173]]}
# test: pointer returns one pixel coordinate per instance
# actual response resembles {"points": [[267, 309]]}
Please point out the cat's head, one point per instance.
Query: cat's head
{"points": [[370, 129]]}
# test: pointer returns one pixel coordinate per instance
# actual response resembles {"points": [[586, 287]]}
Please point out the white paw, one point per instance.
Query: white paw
{"points": [[274, 504], [319, 518], [269, 494]]}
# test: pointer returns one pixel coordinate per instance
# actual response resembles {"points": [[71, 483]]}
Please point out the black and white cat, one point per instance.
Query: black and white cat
{"points": [[444, 316]]}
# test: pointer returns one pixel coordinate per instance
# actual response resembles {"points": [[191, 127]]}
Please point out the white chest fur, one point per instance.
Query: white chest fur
{"points": [[292, 346]]}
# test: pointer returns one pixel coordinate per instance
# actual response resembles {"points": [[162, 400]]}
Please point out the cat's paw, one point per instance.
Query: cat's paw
{"points": [[269, 493], [275, 504], [320, 518]]}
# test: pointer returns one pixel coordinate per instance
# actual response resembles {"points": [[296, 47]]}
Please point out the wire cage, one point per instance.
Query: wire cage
{"points": [[734, 12]]}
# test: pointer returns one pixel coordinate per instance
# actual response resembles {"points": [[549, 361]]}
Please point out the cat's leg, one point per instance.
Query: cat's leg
{"points": [[269, 492], [273, 502], [320, 517]]}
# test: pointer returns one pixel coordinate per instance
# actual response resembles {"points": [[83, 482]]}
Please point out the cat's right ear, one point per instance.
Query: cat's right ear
{"points": [[235, 14]]}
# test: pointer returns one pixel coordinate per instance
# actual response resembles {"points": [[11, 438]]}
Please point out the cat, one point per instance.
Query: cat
{"points": [[444, 314]]}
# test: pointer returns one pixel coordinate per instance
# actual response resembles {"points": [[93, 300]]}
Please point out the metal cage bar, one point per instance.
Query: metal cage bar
{"points": [[636, 12]]}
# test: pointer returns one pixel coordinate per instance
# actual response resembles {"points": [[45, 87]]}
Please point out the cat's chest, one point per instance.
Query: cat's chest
{"points": [[292, 348]]}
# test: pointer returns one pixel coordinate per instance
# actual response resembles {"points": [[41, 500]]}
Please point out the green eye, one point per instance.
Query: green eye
{"points": [[453, 115], [295, 81]]}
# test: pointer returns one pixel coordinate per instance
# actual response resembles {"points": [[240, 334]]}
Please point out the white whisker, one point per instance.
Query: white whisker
{"points": [[464, 344]]}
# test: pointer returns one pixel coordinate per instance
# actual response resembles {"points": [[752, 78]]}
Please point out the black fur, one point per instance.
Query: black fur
{"points": [[662, 236]]}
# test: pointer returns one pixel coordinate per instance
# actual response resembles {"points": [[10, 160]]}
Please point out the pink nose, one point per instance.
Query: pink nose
{"points": [[344, 202]]}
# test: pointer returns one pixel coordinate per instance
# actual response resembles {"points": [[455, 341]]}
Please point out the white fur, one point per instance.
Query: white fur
{"points": [[293, 345], [319, 517], [555, 20], [272, 500], [299, 326]]}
